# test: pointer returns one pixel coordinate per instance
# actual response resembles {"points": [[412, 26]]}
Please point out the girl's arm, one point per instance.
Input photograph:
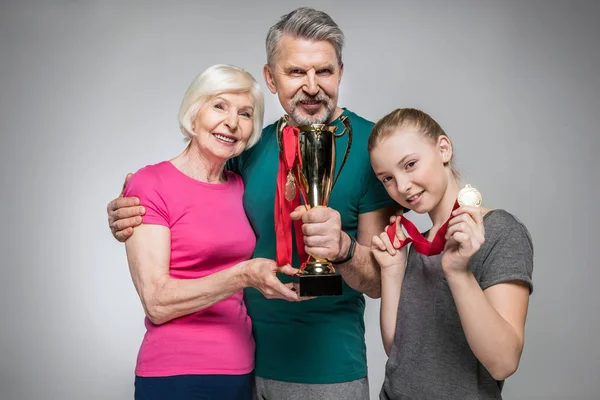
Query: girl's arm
{"points": [[391, 286], [165, 298], [393, 267], [493, 320]]}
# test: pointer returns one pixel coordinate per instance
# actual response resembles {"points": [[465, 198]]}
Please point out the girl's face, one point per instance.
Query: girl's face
{"points": [[412, 167]]}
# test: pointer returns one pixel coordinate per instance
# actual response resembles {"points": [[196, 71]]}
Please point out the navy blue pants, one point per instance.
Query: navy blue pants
{"points": [[194, 387]]}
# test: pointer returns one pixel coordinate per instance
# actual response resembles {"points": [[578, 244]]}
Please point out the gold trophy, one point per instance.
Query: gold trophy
{"points": [[315, 180]]}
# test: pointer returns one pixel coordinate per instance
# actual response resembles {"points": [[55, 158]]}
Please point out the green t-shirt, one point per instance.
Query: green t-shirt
{"points": [[319, 340]]}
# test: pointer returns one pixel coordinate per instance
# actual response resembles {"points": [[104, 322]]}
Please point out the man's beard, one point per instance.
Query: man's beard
{"points": [[322, 117]]}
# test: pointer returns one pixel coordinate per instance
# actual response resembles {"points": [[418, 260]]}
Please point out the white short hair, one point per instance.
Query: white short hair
{"points": [[216, 80]]}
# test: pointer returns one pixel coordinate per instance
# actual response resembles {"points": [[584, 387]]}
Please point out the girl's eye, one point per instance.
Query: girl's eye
{"points": [[410, 164], [386, 179]]}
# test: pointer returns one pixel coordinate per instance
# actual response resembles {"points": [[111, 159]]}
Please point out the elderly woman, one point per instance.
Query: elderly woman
{"points": [[191, 257]]}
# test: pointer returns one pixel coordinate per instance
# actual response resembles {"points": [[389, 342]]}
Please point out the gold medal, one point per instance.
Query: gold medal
{"points": [[290, 187], [469, 196]]}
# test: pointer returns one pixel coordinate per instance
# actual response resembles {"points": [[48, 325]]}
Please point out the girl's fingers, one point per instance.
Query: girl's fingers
{"points": [[388, 245], [400, 236], [377, 243]]}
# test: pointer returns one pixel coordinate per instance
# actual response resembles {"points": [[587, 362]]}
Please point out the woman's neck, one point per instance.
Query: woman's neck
{"points": [[192, 163]]}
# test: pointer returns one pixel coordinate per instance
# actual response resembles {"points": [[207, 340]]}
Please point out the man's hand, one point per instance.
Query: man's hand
{"points": [[323, 235], [124, 214]]}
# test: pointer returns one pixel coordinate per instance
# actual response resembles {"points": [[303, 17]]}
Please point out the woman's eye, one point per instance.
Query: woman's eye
{"points": [[246, 114], [219, 106], [411, 164]]}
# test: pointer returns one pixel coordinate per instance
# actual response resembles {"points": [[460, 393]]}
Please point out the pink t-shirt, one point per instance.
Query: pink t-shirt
{"points": [[209, 232]]}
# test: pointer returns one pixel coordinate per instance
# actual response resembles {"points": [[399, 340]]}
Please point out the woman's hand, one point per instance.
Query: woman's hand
{"points": [[464, 237], [261, 274], [386, 252]]}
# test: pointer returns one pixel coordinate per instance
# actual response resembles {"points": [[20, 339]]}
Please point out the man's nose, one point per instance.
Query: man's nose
{"points": [[311, 86]]}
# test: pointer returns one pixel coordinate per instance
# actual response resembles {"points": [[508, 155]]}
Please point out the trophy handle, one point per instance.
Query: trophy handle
{"points": [[347, 128], [281, 124]]}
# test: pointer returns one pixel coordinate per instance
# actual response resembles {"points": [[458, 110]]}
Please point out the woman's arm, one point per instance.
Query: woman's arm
{"points": [[493, 321], [165, 298]]}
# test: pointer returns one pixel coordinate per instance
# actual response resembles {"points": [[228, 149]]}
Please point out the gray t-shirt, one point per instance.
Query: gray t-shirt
{"points": [[430, 358]]}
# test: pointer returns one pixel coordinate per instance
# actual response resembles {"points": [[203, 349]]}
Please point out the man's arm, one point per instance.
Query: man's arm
{"points": [[362, 272], [323, 237]]}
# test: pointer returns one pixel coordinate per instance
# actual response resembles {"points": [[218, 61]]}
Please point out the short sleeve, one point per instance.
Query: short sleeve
{"points": [[374, 196], [146, 186], [510, 255]]}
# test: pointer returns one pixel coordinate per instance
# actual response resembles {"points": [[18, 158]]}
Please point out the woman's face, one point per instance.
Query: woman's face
{"points": [[224, 125]]}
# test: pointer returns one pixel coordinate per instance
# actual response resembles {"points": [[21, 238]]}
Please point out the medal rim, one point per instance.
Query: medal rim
{"points": [[469, 189]]}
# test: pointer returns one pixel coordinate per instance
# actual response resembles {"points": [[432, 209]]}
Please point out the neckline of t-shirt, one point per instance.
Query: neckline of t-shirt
{"points": [[345, 112], [214, 186], [338, 121]]}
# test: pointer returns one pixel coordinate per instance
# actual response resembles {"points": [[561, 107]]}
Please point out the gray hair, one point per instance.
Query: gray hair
{"points": [[305, 23], [215, 80]]}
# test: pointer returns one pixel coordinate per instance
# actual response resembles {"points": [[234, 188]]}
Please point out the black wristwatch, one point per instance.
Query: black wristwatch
{"points": [[350, 253]]}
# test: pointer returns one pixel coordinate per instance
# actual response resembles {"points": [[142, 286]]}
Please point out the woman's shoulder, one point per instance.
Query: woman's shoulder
{"points": [[154, 170], [152, 175]]}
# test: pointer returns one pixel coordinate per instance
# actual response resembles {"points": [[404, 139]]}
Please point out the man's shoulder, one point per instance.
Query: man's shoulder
{"points": [[270, 127], [356, 119], [361, 127], [267, 133], [237, 164]]}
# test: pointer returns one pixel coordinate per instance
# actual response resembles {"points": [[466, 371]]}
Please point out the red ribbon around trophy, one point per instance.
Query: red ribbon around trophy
{"points": [[284, 205], [420, 243]]}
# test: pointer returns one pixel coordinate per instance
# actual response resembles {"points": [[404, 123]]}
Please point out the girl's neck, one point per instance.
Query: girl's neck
{"points": [[441, 212], [195, 165]]}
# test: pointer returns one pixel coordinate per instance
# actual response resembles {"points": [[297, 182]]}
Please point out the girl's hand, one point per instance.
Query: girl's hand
{"points": [[386, 253], [464, 238]]}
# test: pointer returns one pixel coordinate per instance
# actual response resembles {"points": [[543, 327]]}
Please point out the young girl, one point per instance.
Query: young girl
{"points": [[452, 311]]}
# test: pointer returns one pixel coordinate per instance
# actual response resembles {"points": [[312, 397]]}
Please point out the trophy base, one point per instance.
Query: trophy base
{"points": [[313, 285]]}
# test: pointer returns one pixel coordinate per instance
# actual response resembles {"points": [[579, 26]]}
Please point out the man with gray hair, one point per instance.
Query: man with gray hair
{"points": [[312, 349]]}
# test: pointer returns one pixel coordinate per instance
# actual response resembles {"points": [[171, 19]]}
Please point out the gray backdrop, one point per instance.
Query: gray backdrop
{"points": [[90, 90]]}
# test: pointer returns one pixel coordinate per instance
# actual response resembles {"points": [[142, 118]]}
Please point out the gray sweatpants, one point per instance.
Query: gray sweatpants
{"points": [[267, 389]]}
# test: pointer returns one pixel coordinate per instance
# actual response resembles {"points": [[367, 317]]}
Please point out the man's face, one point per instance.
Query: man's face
{"points": [[306, 76]]}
